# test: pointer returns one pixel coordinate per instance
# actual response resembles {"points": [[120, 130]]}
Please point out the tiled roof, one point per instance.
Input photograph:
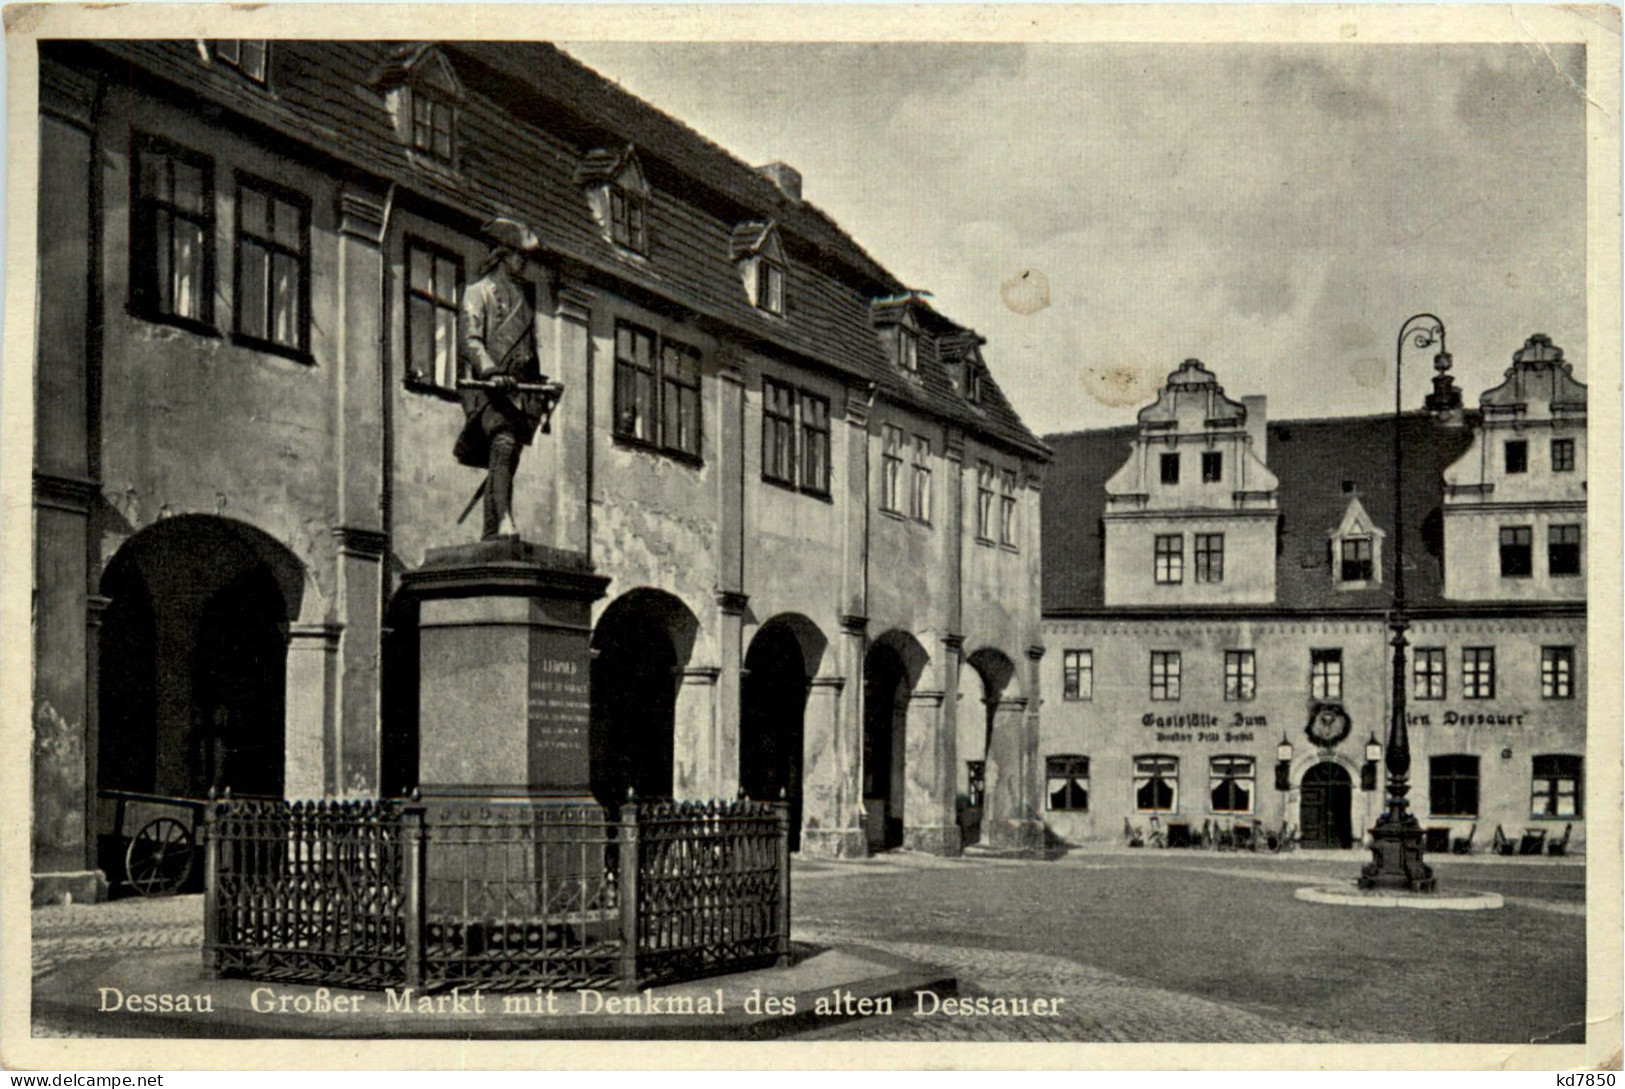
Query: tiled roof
{"points": [[526, 168], [1314, 460]]}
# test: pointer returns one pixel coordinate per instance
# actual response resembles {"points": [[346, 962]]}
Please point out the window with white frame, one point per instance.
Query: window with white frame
{"points": [[1555, 785], [1066, 780], [1078, 675], [919, 495], [1156, 784], [434, 280], [906, 348], [1326, 673], [273, 266], [1240, 675], [891, 470], [1356, 560], [1231, 783], [1556, 673], [1168, 558], [657, 391], [1007, 508], [1428, 671], [1209, 555], [1164, 675], [172, 234], [1478, 673], [984, 501]]}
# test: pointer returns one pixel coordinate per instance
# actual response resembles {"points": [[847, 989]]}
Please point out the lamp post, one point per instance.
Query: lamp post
{"points": [[1397, 840]]}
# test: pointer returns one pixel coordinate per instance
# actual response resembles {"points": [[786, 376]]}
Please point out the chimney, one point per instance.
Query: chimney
{"points": [[1257, 426], [786, 177]]}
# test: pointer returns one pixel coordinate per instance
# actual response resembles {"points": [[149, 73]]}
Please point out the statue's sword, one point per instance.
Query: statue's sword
{"points": [[550, 393]]}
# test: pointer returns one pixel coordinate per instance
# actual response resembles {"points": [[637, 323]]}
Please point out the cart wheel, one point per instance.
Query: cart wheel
{"points": [[159, 859]]}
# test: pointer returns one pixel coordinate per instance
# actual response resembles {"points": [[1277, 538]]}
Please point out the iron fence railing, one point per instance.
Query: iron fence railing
{"points": [[496, 894]]}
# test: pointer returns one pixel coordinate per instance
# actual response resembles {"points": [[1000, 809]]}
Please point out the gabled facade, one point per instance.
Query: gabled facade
{"points": [[1170, 698], [247, 407], [1514, 512], [1191, 516]]}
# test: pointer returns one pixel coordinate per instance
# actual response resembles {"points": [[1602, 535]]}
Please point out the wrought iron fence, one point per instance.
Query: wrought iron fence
{"points": [[494, 894]]}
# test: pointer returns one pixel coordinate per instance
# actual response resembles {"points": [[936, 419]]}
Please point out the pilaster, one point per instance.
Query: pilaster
{"points": [[832, 783], [695, 771], [929, 820], [724, 774], [311, 738]]}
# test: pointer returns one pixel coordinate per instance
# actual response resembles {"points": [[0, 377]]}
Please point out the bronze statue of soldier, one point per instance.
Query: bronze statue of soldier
{"points": [[505, 396]]}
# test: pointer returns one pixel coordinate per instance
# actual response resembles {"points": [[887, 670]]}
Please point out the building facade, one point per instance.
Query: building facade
{"points": [[1216, 596], [817, 510]]}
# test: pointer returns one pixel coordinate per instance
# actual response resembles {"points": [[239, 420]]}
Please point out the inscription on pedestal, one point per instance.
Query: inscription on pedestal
{"points": [[558, 709]]}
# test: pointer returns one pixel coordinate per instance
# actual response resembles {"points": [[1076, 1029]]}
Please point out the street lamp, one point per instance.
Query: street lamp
{"points": [[1397, 840]]}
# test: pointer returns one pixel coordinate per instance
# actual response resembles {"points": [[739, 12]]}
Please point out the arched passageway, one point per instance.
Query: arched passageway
{"points": [[779, 666], [193, 660], [891, 671], [982, 686], [640, 646], [398, 668]]}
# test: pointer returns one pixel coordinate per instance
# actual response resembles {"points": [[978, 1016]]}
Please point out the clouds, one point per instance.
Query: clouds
{"points": [[1274, 210]]}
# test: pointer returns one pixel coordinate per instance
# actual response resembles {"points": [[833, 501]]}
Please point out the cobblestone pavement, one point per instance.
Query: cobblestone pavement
{"points": [[1100, 1004]]}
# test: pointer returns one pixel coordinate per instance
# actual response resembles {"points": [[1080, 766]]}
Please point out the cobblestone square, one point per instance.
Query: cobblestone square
{"points": [[1141, 946]]}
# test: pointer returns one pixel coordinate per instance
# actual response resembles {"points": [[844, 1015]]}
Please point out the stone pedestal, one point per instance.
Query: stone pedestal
{"points": [[1396, 858], [504, 681], [504, 731]]}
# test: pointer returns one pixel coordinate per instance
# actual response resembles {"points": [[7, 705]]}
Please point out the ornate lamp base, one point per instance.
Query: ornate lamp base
{"points": [[1396, 858]]}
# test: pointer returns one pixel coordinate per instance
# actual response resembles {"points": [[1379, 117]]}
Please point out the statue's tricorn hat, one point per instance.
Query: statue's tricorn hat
{"points": [[511, 234]]}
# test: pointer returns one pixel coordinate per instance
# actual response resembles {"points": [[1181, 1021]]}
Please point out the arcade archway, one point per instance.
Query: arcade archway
{"points": [[891, 670], [782, 660], [193, 657], [982, 686], [640, 646]]}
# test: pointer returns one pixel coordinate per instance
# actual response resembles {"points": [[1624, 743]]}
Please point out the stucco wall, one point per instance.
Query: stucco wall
{"points": [[1113, 727], [193, 423], [1249, 560]]}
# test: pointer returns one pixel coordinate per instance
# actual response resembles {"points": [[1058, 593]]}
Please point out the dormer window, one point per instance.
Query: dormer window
{"points": [[769, 286], [423, 96], [249, 56], [626, 219], [906, 346], [756, 248], [973, 383], [1356, 560], [1356, 549], [433, 124], [618, 194]]}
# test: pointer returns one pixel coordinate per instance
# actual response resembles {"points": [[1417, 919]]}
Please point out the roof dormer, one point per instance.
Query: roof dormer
{"points": [[1356, 546], [618, 193], [898, 321], [424, 98], [961, 355], [756, 249]]}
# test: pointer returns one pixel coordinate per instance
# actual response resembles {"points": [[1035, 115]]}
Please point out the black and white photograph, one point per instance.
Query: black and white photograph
{"points": [[851, 535]]}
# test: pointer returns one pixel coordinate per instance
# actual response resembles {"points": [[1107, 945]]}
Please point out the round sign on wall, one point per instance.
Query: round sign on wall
{"points": [[1328, 724]]}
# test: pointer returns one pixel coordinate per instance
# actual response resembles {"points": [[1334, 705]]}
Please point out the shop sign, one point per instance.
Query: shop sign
{"points": [[1469, 718], [1201, 727]]}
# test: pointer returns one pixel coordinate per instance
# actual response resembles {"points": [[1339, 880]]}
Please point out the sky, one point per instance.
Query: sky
{"points": [[1276, 211]]}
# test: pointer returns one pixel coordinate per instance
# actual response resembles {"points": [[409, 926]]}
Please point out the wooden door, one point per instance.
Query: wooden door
{"points": [[1325, 798]]}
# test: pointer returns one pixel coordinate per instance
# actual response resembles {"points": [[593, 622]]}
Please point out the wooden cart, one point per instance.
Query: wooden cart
{"points": [[161, 853]]}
